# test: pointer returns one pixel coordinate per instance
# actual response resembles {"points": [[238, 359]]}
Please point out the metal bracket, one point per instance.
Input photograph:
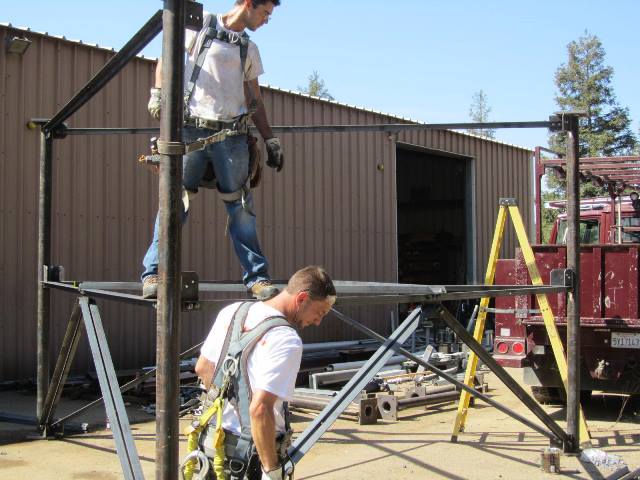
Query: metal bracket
{"points": [[508, 202], [563, 121], [193, 15], [53, 273], [368, 411], [564, 277], [190, 283]]}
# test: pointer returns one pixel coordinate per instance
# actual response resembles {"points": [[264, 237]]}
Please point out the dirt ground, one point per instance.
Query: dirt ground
{"points": [[494, 446]]}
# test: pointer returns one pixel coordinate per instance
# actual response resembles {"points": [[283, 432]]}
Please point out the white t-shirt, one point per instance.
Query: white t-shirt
{"points": [[219, 90], [272, 365]]}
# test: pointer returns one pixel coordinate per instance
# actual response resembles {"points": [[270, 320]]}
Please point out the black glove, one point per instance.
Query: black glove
{"points": [[275, 158]]}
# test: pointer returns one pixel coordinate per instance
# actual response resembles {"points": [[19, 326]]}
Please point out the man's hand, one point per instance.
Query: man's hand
{"points": [[275, 158], [276, 474], [154, 103]]}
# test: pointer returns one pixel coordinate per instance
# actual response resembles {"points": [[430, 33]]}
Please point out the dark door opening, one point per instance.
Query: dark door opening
{"points": [[433, 217]]}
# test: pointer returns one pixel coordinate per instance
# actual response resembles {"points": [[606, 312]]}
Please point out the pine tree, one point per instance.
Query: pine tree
{"points": [[479, 112], [316, 87], [584, 83]]}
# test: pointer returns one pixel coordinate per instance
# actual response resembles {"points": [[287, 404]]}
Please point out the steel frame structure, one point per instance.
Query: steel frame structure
{"points": [[172, 21]]}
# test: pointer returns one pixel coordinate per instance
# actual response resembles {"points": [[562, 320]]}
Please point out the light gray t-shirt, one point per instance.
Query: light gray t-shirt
{"points": [[219, 90]]}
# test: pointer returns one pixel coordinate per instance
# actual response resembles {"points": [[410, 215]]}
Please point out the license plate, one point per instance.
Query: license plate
{"points": [[625, 340]]}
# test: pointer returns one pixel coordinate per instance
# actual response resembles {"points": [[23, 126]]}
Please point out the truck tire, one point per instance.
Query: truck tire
{"points": [[548, 395]]}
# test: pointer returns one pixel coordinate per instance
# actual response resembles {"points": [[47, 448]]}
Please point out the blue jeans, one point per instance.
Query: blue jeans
{"points": [[230, 160]]}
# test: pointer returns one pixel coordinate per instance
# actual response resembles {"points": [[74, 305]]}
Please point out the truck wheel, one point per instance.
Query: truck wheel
{"points": [[548, 395]]}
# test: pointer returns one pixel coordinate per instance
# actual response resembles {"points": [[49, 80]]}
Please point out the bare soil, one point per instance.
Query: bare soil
{"points": [[418, 446]]}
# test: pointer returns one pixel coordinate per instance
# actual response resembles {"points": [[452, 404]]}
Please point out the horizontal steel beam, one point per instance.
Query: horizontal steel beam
{"points": [[110, 131], [398, 127], [104, 294]]}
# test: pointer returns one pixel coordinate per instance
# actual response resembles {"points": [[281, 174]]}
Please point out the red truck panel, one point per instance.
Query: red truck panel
{"points": [[608, 283]]}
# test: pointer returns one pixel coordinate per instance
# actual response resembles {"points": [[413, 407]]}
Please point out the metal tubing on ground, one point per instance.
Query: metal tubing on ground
{"points": [[573, 298], [170, 244], [110, 70], [451, 379], [499, 372], [124, 388], [404, 403], [44, 260]]}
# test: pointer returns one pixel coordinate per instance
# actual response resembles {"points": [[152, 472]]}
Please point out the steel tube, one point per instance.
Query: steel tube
{"points": [[367, 331], [111, 131], [404, 403], [397, 127], [170, 244], [44, 261], [110, 70], [573, 298]]}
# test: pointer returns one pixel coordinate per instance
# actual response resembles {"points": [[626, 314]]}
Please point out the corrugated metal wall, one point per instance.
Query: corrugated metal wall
{"points": [[330, 205]]}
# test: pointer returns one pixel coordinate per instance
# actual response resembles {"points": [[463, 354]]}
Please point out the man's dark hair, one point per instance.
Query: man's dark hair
{"points": [[312, 279], [255, 3]]}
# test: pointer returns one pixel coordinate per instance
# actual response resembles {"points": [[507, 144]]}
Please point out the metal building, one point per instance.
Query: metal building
{"points": [[410, 207]]}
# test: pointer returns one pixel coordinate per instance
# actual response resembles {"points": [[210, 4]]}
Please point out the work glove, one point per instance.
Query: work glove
{"points": [[154, 103], [275, 158], [276, 474]]}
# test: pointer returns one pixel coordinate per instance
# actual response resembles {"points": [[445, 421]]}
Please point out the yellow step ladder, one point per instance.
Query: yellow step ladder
{"points": [[509, 206]]}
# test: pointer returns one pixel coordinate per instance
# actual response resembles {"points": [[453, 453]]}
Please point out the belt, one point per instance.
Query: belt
{"points": [[239, 125]]}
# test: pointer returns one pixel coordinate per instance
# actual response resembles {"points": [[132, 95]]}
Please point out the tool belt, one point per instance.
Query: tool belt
{"points": [[238, 126]]}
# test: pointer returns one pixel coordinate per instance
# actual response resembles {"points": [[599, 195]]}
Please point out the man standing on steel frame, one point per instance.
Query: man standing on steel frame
{"points": [[270, 362], [222, 90]]}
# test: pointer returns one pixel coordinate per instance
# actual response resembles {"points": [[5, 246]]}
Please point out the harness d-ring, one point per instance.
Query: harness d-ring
{"points": [[230, 366]]}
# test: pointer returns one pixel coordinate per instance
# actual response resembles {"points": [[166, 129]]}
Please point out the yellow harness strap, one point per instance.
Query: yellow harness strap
{"points": [[193, 432]]}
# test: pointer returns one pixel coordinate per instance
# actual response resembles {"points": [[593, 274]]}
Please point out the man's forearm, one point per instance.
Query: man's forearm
{"points": [[263, 429], [260, 121]]}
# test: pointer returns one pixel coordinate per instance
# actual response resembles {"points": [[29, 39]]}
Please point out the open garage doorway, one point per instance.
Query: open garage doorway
{"points": [[435, 216]]}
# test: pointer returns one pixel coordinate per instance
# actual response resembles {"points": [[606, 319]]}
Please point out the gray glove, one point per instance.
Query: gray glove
{"points": [[155, 101], [275, 158], [277, 474]]}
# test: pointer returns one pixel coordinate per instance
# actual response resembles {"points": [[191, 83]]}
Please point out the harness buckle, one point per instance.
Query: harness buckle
{"points": [[236, 466], [230, 366]]}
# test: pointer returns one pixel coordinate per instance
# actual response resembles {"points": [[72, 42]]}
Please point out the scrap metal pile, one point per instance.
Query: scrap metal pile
{"points": [[400, 384]]}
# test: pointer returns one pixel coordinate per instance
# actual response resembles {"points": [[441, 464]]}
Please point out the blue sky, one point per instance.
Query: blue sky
{"points": [[421, 59]]}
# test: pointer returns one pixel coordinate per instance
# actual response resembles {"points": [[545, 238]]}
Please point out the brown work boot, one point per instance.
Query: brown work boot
{"points": [[264, 290], [150, 287]]}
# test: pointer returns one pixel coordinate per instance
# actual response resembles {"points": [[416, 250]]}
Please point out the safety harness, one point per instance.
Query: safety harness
{"points": [[237, 126], [230, 453], [223, 130]]}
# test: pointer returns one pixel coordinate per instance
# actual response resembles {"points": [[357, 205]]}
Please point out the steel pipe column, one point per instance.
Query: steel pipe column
{"points": [[169, 265], [44, 260], [573, 298]]}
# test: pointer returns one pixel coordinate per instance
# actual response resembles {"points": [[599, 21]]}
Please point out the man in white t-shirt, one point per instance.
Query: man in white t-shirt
{"points": [[274, 363], [221, 90]]}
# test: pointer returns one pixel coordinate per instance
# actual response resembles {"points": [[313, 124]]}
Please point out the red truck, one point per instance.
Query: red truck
{"points": [[609, 299]]}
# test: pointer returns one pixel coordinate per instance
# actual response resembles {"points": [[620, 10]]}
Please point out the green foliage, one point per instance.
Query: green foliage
{"points": [[548, 215], [316, 87], [584, 83], [479, 112]]}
